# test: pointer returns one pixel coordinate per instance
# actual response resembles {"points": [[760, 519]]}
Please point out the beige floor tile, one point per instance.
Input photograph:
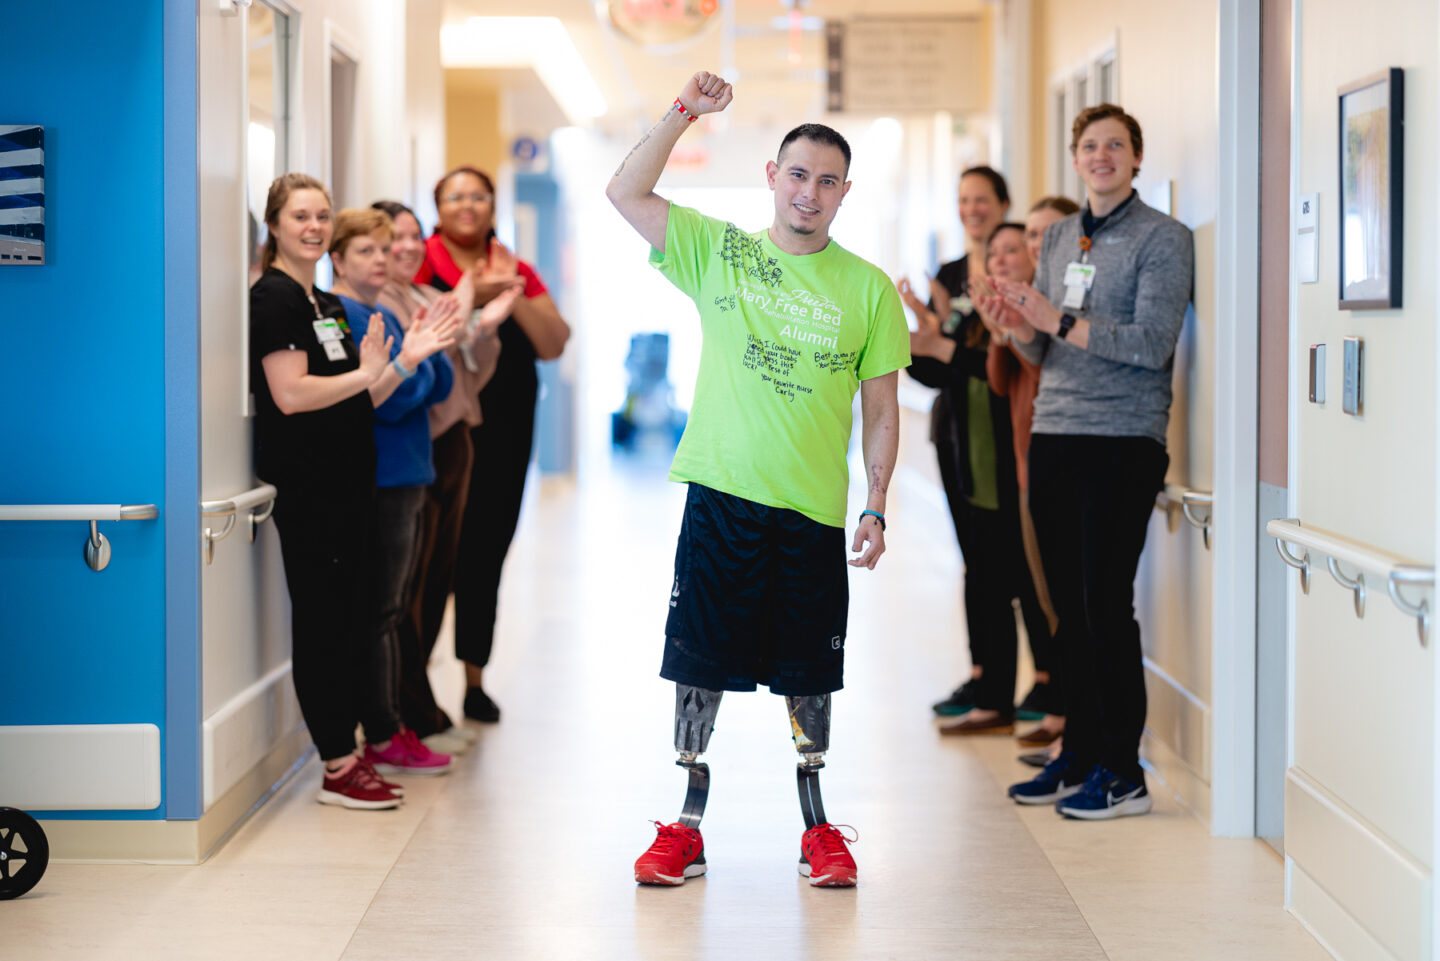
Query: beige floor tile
{"points": [[525, 851]]}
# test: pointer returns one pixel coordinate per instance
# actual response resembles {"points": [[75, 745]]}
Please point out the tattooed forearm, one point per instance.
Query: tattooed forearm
{"points": [[643, 141], [878, 482]]}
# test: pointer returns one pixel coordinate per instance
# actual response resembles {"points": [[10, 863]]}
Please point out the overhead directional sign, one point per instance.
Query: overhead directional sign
{"points": [[907, 65]]}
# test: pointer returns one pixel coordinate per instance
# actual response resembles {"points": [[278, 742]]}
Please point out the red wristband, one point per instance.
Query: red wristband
{"points": [[685, 113]]}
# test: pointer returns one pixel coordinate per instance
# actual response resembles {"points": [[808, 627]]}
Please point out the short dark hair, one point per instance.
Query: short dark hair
{"points": [[1107, 111], [819, 133], [997, 181], [395, 208], [1007, 225]]}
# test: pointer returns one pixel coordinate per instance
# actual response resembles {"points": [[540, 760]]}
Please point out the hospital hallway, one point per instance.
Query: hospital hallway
{"points": [[525, 850]]}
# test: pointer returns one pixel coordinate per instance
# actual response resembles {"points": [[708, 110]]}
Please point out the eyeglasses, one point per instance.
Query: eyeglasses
{"points": [[476, 199]]}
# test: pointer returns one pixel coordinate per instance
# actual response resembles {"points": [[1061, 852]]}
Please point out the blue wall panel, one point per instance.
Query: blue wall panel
{"points": [[84, 391]]}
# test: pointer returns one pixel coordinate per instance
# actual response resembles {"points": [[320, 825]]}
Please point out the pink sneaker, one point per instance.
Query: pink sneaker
{"points": [[406, 755]]}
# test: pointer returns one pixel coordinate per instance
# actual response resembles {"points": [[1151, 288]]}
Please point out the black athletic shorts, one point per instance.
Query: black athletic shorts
{"points": [[760, 597]]}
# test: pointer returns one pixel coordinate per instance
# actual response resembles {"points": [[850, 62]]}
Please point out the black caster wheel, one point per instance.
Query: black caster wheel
{"points": [[24, 853]]}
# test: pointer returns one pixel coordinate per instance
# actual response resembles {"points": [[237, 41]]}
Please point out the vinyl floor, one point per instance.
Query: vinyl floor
{"points": [[525, 850]]}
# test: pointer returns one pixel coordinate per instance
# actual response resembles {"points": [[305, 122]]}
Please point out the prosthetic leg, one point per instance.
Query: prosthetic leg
{"points": [[824, 850], [695, 709], [679, 851], [810, 727]]}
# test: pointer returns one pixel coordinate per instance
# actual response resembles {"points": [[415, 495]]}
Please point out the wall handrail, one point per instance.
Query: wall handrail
{"points": [[1195, 506], [263, 495], [97, 545], [1338, 550]]}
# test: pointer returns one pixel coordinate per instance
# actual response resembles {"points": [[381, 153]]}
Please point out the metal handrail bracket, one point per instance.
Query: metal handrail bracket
{"points": [[1190, 502], [1337, 550], [97, 545], [261, 496]]}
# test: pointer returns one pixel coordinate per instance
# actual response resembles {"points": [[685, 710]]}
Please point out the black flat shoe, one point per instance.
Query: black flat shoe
{"points": [[479, 707]]}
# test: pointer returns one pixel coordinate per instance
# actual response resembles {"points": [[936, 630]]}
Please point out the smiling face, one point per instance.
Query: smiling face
{"points": [[981, 209], [363, 264], [809, 184], [1006, 257], [1106, 159], [1035, 226], [302, 229], [407, 250], [467, 208]]}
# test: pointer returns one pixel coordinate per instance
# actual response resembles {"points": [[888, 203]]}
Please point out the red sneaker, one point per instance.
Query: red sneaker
{"points": [[678, 853], [358, 787], [391, 786], [825, 856]]}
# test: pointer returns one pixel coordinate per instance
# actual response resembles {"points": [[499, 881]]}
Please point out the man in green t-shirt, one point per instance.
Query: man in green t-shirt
{"points": [[793, 325]]}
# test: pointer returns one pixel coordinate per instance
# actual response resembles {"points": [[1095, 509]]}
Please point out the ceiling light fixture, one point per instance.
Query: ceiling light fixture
{"points": [[540, 43]]}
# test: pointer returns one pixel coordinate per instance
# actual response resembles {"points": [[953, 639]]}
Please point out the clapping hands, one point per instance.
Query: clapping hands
{"points": [[435, 329], [375, 346]]}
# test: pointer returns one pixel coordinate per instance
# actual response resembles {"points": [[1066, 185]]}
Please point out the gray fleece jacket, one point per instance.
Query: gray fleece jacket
{"points": [[1120, 385]]}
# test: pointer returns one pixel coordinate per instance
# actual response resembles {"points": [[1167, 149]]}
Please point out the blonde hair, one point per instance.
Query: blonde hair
{"points": [[355, 222], [280, 190]]}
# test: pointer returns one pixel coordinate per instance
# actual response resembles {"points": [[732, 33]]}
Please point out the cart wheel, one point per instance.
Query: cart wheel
{"points": [[24, 853]]}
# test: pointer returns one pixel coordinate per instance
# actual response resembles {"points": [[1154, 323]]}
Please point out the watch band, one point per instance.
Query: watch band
{"points": [[1067, 324]]}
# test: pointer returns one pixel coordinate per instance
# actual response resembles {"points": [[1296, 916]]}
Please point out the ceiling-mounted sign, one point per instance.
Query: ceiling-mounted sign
{"points": [[661, 21], [906, 65]]}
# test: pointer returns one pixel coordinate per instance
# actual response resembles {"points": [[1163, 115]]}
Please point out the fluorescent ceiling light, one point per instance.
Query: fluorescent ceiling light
{"points": [[540, 43]]}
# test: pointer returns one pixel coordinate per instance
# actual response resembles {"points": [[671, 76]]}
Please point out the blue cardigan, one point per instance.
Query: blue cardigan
{"points": [[402, 423]]}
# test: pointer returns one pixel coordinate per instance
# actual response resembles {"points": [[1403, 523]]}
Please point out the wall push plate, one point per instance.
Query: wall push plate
{"points": [[1352, 399], [1317, 373]]}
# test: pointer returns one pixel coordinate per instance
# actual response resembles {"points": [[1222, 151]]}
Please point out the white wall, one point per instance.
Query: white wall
{"points": [[248, 699], [1360, 807]]}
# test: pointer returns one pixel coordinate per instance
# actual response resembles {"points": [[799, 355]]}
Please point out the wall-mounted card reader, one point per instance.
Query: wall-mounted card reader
{"points": [[1317, 373], [1352, 397]]}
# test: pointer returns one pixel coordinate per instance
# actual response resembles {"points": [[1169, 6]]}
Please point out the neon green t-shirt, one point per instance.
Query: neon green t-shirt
{"points": [[786, 341]]}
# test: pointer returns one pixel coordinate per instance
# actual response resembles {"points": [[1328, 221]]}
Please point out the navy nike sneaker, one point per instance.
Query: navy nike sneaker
{"points": [[1106, 795]]}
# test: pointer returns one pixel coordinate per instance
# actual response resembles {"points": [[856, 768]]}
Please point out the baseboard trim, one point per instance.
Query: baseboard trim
{"points": [[245, 729], [1370, 884], [182, 842], [1328, 923], [1180, 780]]}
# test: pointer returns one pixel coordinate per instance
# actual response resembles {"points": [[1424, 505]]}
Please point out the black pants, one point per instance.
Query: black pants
{"points": [[434, 579], [497, 484], [1091, 498], [995, 576], [325, 540], [392, 579]]}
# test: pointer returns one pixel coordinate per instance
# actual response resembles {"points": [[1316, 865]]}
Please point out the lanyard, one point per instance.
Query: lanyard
{"points": [[1090, 225], [319, 316]]}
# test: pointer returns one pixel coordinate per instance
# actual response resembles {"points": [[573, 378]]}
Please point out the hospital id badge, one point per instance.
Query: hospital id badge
{"points": [[1079, 278], [1079, 275], [334, 350], [326, 331]]}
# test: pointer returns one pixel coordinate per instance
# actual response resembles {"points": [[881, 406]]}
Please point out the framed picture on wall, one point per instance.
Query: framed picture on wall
{"points": [[1372, 167], [22, 195]]}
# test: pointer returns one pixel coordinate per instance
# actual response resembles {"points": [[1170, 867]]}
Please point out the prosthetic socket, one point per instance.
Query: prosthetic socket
{"points": [[695, 710]]}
